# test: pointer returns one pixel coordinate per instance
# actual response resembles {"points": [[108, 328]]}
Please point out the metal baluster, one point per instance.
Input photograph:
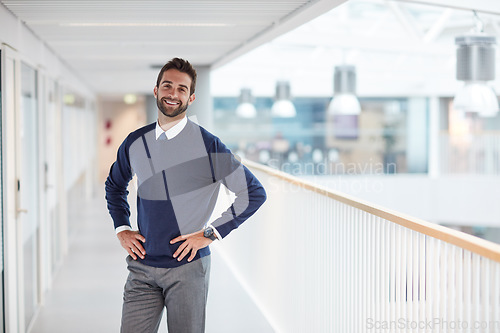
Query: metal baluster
{"points": [[475, 283], [422, 278], [459, 278], [485, 307], [467, 280]]}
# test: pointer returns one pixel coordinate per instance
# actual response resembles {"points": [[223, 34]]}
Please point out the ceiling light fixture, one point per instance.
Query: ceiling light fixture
{"points": [[344, 109], [245, 108], [144, 24], [130, 99], [476, 66], [344, 100], [283, 106]]}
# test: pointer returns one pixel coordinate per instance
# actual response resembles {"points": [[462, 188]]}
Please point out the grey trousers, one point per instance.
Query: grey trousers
{"points": [[182, 290]]}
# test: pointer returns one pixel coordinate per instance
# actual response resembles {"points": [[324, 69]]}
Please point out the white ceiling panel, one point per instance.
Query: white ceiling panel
{"points": [[400, 47], [117, 36]]}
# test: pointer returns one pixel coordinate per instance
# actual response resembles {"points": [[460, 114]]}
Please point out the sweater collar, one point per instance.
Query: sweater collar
{"points": [[173, 131]]}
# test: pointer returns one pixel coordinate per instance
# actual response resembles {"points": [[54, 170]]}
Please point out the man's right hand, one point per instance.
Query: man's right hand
{"points": [[131, 241]]}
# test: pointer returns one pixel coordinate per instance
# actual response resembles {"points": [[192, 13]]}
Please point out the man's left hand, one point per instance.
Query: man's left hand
{"points": [[192, 243]]}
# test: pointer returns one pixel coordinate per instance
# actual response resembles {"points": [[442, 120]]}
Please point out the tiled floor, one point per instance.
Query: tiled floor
{"points": [[87, 291]]}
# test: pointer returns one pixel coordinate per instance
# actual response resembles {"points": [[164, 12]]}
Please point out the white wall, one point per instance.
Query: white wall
{"points": [[123, 120], [21, 45], [34, 51]]}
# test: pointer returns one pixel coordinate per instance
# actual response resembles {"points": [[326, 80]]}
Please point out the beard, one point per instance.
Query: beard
{"points": [[177, 111]]}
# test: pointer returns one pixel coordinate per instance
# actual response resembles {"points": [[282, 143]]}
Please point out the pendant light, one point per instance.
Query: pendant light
{"points": [[344, 100], [476, 66], [283, 106], [245, 108]]}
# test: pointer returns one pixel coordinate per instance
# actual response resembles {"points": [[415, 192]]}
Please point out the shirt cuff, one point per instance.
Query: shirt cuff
{"points": [[216, 233], [122, 228]]}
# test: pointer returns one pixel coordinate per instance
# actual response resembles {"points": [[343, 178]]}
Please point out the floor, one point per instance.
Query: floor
{"points": [[87, 291]]}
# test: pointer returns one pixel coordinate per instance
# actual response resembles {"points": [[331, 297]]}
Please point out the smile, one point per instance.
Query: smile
{"points": [[170, 102]]}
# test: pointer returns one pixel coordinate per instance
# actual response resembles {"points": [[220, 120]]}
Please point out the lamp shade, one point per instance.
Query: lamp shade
{"points": [[245, 108], [344, 104], [283, 106], [477, 97], [344, 100], [476, 66], [283, 109]]}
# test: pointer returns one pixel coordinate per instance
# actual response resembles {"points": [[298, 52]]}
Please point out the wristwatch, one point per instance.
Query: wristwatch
{"points": [[209, 233]]}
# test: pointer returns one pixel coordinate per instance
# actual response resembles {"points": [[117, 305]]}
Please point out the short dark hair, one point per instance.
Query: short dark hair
{"points": [[182, 66]]}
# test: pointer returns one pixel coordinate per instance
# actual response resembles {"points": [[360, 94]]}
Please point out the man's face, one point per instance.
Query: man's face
{"points": [[173, 96]]}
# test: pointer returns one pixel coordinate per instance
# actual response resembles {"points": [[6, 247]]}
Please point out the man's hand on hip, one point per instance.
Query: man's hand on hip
{"points": [[131, 241], [192, 243]]}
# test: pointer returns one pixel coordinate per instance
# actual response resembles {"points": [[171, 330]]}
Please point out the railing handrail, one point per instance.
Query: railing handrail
{"points": [[483, 132], [466, 241]]}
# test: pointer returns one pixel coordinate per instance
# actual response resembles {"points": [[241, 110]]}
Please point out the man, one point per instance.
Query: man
{"points": [[180, 168]]}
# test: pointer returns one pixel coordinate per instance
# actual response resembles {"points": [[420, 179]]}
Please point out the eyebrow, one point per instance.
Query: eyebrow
{"points": [[182, 85]]}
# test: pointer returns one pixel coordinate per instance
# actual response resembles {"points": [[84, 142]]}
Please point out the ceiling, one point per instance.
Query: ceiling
{"points": [[399, 47], [117, 45]]}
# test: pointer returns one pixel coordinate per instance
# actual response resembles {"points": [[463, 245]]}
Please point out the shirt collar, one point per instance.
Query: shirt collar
{"points": [[173, 131]]}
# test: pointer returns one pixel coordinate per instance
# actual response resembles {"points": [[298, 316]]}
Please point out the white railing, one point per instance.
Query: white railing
{"points": [[470, 154], [318, 261]]}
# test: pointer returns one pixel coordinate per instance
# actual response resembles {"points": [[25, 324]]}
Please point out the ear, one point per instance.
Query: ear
{"points": [[155, 91], [191, 99]]}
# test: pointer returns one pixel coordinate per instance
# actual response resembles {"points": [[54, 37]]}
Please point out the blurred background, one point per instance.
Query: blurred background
{"points": [[390, 101]]}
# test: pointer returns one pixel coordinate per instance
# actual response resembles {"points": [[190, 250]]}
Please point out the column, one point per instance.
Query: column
{"points": [[417, 135], [202, 107], [434, 137]]}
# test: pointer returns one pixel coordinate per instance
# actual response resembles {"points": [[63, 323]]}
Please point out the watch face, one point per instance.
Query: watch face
{"points": [[208, 232]]}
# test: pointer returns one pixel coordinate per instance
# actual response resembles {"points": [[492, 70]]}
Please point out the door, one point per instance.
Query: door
{"points": [[10, 199], [28, 186]]}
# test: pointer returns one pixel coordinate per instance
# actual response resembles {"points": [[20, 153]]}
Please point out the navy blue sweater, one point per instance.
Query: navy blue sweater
{"points": [[178, 184]]}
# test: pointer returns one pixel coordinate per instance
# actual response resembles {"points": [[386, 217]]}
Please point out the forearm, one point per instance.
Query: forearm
{"points": [[116, 185], [249, 198], [117, 203]]}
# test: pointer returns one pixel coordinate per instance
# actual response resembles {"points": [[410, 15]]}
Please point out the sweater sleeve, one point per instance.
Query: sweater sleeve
{"points": [[116, 185], [249, 192]]}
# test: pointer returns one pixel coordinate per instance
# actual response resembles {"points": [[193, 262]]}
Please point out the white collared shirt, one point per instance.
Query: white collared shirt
{"points": [[173, 131]]}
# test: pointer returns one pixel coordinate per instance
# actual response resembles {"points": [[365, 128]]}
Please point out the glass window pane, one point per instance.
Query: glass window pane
{"points": [[29, 186]]}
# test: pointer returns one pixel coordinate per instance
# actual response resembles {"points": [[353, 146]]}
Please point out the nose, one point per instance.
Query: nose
{"points": [[171, 94]]}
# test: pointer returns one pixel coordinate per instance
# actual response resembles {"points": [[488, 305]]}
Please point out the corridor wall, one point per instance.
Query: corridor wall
{"points": [[48, 149]]}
